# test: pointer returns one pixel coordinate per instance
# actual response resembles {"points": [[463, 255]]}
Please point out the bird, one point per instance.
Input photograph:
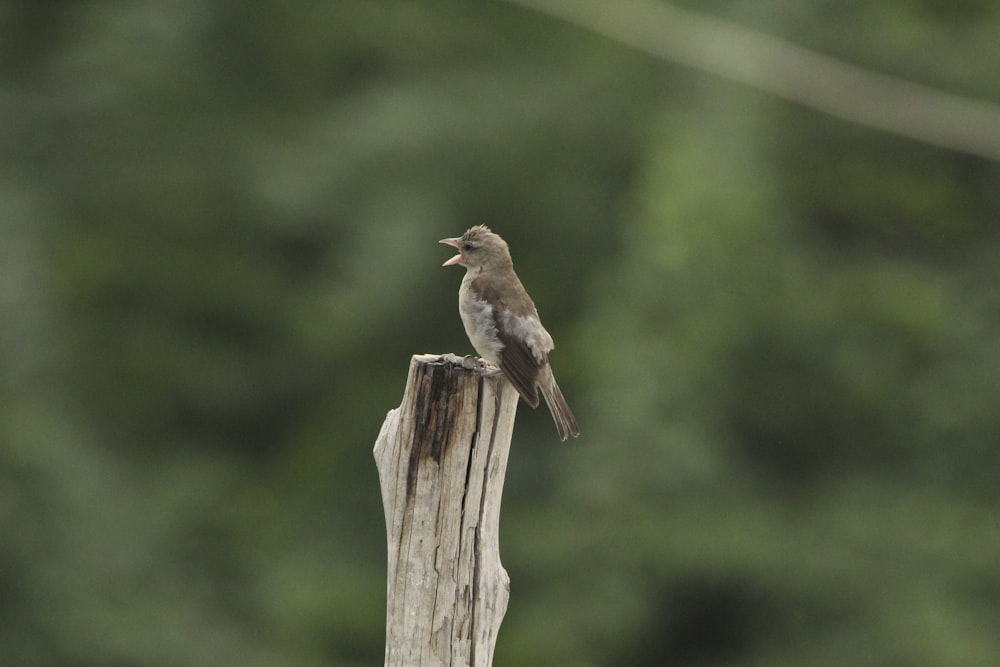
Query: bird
{"points": [[502, 323]]}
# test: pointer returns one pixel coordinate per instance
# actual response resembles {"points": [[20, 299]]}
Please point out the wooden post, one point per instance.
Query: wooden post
{"points": [[442, 457]]}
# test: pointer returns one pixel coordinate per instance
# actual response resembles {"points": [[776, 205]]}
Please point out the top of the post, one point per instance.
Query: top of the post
{"points": [[468, 362]]}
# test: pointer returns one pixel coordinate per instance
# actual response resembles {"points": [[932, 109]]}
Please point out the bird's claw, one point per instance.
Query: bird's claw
{"points": [[472, 362]]}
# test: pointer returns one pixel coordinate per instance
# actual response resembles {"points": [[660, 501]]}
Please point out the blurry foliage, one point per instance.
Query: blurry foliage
{"points": [[219, 226]]}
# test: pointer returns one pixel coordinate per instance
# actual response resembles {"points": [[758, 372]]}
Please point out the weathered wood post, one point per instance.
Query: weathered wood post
{"points": [[442, 457]]}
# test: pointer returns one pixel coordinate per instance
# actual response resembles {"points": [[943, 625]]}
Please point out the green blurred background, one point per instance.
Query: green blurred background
{"points": [[218, 244]]}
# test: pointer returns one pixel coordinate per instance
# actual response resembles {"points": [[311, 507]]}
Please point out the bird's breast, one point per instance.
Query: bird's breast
{"points": [[480, 324]]}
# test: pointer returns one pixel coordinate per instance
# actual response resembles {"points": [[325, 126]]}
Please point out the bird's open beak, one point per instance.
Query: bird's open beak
{"points": [[455, 243]]}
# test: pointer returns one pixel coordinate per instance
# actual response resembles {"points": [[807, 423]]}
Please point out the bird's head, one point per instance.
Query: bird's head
{"points": [[479, 248]]}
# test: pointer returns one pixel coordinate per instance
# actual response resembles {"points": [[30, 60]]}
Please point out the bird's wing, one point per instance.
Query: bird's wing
{"points": [[525, 342], [519, 365]]}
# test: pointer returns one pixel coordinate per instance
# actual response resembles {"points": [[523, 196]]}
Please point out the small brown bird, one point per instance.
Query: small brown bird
{"points": [[502, 323]]}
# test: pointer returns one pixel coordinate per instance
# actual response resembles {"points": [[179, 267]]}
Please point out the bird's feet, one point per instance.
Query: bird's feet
{"points": [[472, 362]]}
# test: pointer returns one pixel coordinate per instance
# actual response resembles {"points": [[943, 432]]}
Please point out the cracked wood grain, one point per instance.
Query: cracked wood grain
{"points": [[442, 457]]}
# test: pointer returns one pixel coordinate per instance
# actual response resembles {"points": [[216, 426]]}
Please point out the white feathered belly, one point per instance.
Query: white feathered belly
{"points": [[480, 327]]}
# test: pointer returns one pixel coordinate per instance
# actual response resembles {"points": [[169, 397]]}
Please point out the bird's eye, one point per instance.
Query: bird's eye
{"points": [[468, 246]]}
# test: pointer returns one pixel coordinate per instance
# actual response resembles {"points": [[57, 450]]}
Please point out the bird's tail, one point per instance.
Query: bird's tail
{"points": [[561, 414]]}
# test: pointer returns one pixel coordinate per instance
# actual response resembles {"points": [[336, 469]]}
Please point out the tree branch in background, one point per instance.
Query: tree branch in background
{"points": [[789, 71]]}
